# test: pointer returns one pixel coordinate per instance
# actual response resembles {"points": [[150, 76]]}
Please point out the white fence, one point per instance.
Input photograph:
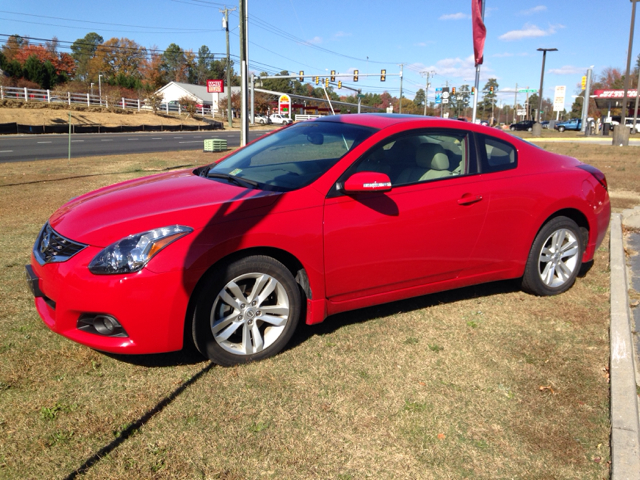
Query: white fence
{"points": [[36, 95]]}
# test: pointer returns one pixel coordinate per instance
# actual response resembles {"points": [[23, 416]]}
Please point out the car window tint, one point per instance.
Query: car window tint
{"points": [[497, 155], [419, 157]]}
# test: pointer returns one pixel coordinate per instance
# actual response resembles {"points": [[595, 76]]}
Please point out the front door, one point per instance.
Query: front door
{"points": [[422, 231]]}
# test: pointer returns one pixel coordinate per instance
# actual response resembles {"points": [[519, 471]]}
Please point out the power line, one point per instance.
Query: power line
{"points": [[98, 23]]}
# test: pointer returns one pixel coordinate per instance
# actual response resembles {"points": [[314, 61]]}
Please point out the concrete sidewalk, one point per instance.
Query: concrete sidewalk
{"points": [[625, 421]]}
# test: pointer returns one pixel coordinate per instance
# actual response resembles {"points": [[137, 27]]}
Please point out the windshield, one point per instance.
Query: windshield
{"points": [[293, 157]]}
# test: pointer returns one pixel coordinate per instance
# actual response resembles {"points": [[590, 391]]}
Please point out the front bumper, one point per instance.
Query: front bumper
{"points": [[150, 306]]}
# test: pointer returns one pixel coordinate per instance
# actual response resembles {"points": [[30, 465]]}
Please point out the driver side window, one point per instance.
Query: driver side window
{"points": [[421, 157]]}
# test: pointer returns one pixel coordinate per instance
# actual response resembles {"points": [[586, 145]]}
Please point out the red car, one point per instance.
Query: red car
{"points": [[325, 216]]}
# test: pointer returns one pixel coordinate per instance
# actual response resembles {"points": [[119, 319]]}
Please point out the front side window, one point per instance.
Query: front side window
{"points": [[419, 157], [290, 158]]}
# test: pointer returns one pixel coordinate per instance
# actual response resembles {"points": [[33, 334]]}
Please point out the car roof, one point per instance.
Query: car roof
{"points": [[384, 120]]}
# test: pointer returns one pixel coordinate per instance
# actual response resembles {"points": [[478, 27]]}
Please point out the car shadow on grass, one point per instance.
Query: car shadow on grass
{"points": [[335, 322], [186, 356]]}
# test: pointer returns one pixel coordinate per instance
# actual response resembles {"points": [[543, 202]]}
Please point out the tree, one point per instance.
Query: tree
{"points": [[203, 65], [488, 99], [174, 64], [83, 50], [419, 99], [279, 85], [13, 45]]}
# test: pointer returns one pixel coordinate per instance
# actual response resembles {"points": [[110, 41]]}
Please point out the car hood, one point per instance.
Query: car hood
{"points": [[106, 215]]}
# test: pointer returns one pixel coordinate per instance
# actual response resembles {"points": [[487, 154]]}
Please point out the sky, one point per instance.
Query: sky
{"points": [[317, 37]]}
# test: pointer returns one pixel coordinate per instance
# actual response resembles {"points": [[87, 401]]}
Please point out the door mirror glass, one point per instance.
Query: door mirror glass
{"points": [[367, 182]]}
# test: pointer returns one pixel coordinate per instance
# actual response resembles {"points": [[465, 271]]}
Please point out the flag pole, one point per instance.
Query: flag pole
{"points": [[477, 83]]}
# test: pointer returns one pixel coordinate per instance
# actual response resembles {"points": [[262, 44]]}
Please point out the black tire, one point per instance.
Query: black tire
{"points": [[513, 129], [529, 129], [555, 271], [259, 334], [561, 129]]}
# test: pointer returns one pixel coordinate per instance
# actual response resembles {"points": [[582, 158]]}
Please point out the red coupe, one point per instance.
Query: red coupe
{"points": [[314, 219]]}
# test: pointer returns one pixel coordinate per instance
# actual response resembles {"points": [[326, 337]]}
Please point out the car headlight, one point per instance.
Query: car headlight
{"points": [[132, 253]]}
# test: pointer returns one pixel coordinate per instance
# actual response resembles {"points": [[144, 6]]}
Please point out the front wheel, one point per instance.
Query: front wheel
{"points": [[246, 311], [561, 129], [513, 129], [555, 258]]}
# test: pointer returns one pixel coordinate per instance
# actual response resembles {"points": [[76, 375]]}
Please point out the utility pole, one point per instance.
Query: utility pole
{"points": [[400, 107], [225, 25], [426, 91], [585, 103], [244, 118]]}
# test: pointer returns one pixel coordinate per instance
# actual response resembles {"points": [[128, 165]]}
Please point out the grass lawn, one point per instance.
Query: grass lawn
{"points": [[484, 382]]}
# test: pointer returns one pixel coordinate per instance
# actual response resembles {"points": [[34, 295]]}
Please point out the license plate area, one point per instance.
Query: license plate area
{"points": [[33, 282]]}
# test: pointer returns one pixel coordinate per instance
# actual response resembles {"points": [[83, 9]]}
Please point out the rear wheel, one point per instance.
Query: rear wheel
{"points": [[246, 311], [555, 258]]}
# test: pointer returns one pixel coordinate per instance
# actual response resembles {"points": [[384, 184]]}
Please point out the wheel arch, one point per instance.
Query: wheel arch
{"points": [[575, 215], [290, 262]]}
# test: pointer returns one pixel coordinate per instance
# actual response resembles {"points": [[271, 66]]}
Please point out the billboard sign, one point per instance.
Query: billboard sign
{"points": [[284, 105], [215, 86]]}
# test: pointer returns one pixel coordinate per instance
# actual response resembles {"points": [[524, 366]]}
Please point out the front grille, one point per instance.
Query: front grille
{"points": [[51, 247]]}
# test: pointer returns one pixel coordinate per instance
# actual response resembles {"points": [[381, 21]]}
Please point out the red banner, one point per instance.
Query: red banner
{"points": [[479, 31]]}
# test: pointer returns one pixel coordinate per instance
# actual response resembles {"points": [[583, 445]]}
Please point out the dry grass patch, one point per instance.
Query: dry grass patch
{"points": [[479, 382]]}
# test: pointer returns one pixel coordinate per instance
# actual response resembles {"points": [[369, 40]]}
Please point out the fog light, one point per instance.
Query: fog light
{"points": [[105, 325], [101, 324]]}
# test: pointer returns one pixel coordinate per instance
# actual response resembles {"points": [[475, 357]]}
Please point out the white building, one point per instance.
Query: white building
{"points": [[173, 91]]}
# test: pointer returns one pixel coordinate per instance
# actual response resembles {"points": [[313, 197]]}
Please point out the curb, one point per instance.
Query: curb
{"points": [[625, 422]]}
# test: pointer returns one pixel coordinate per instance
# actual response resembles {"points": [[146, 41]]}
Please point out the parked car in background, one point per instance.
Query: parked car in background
{"points": [[278, 119], [628, 122], [326, 216], [262, 119], [544, 124], [573, 124], [524, 125]]}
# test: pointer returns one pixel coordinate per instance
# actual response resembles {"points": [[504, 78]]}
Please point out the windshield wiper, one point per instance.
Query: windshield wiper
{"points": [[243, 182]]}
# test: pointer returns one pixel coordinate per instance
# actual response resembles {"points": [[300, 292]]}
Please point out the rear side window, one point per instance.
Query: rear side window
{"points": [[496, 155]]}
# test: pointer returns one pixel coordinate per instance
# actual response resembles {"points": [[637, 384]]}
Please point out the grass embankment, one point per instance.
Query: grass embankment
{"points": [[480, 382], [42, 113]]}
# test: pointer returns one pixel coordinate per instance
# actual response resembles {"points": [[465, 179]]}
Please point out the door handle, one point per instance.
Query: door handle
{"points": [[468, 199]]}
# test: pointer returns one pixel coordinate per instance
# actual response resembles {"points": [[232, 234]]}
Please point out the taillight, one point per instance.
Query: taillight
{"points": [[597, 174]]}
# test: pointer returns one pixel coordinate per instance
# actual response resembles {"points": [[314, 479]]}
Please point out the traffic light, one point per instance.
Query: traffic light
{"points": [[383, 75], [453, 90], [317, 80], [491, 90], [355, 75], [326, 83], [339, 83], [301, 76], [333, 75], [473, 90]]}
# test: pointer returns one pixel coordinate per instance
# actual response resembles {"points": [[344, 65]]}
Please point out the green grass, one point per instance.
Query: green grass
{"points": [[442, 386]]}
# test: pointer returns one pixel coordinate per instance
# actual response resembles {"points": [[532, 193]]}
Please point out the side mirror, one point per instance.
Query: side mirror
{"points": [[367, 182]]}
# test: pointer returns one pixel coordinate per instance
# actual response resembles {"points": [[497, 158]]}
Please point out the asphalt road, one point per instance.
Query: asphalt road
{"points": [[22, 148]]}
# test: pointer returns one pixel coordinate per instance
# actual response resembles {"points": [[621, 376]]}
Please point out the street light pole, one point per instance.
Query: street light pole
{"points": [[538, 131]]}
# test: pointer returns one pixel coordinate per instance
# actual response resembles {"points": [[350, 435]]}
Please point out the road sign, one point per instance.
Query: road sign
{"points": [[360, 95], [445, 100], [215, 86], [527, 90], [521, 111], [438, 95], [558, 99]]}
